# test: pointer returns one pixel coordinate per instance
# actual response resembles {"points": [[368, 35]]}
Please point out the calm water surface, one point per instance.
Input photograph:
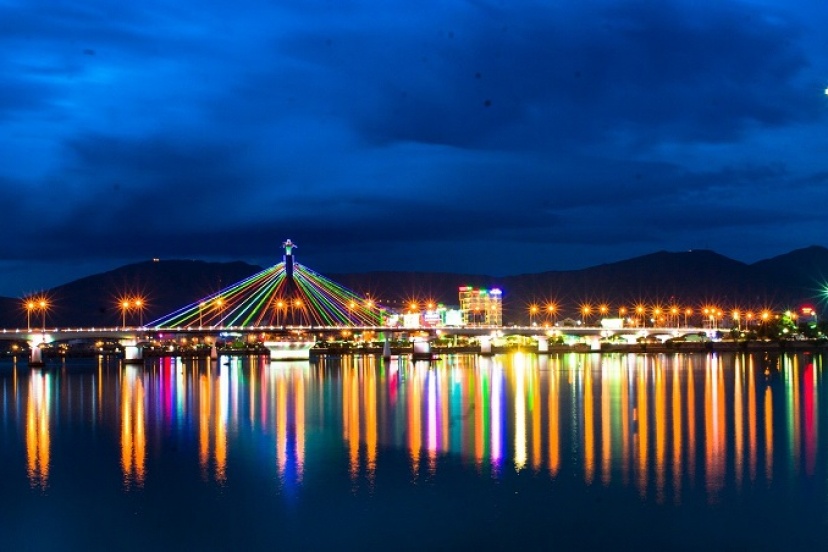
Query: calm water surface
{"points": [[570, 451]]}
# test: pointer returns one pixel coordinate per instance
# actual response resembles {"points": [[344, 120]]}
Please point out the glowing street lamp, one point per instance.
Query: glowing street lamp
{"points": [[43, 305], [639, 313], [586, 310], [552, 310], [351, 307], [369, 305], [280, 307], [138, 303], [30, 306], [220, 305], [124, 309], [533, 310], [687, 312]]}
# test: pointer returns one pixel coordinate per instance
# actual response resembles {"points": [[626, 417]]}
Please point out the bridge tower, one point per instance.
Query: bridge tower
{"points": [[288, 258], [292, 293]]}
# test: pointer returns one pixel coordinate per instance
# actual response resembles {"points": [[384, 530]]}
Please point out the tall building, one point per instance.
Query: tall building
{"points": [[481, 307]]}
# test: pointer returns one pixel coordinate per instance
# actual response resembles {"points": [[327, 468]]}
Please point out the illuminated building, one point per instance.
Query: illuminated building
{"points": [[481, 306]]}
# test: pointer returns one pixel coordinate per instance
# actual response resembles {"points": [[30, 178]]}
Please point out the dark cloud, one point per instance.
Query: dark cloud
{"points": [[423, 136]]}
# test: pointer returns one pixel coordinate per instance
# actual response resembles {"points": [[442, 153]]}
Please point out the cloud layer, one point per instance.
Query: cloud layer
{"points": [[470, 136]]}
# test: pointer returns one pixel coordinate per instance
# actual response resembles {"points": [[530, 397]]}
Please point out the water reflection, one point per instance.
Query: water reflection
{"points": [[662, 425], [38, 407], [133, 428]]}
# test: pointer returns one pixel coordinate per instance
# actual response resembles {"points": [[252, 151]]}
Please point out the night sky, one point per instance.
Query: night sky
{"points": [[477, 137]]}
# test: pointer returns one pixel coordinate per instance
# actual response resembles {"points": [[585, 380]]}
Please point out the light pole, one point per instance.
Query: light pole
{"points": [[351, 307], [585, 311], [220, 305], [369, 304], [280, 305], [552, 309], [124, 309], [43, 305], [533, 310], [30, 305], [139, 305]]}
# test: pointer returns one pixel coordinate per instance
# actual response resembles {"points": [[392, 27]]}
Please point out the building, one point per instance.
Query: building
{"points": [[481, 307]]}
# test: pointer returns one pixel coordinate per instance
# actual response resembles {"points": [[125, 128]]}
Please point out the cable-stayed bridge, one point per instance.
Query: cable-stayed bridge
{"points": [[290, 307]]}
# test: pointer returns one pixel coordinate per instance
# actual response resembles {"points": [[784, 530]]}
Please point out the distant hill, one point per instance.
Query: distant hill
{"points": [[686, 278], [164, 285]]}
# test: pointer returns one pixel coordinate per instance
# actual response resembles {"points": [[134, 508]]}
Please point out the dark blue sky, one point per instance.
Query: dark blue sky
{"points": [[478, 137]]}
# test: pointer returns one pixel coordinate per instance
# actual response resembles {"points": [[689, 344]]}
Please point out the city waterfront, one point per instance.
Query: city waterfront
{"points": [[570, 450]]}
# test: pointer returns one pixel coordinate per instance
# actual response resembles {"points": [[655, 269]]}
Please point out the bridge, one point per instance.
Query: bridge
{"points": [[285, 342], [290, 307]]}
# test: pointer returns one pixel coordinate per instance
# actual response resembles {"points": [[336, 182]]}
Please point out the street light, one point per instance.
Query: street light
{"points": [[533, 310], [552, 309], [30, 306], [43, 305], [124, 309], [138, 302], [280, 307], [585, 311], [220, 305], [351, 307]]}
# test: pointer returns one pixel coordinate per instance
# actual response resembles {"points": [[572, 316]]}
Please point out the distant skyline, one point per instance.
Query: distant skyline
{"points": [[473, 137]]}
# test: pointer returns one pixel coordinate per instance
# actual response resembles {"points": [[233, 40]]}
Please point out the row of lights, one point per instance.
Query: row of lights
{"points": [[32, 304], [132, 303], [639, 312]]}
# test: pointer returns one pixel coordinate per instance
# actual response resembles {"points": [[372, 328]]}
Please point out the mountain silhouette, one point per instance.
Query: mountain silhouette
{"points": [[686, 279]]}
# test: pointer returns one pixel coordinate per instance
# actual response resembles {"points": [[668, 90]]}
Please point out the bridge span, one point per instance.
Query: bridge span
{"points": [[286, 340]]}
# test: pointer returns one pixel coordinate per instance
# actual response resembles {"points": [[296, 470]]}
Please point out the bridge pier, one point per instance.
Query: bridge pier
{"points": [[386, 349], [133, 352], [543, 344], [421, 348], [485, 344], [35, 356]]}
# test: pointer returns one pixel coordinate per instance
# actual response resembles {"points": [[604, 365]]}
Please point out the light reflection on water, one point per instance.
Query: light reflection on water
{"points": [[664, 427]]}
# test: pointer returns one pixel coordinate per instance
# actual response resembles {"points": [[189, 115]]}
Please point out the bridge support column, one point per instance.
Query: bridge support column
{"points": [[485, 344], [213, 352], [421, 348], [133, 352], [386, 348], [35, 355], [595, 343], [35, 352], [543, 344]]}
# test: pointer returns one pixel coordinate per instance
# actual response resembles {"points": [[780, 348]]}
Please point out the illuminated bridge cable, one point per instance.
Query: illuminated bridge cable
{"points": [[253, 301]]}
